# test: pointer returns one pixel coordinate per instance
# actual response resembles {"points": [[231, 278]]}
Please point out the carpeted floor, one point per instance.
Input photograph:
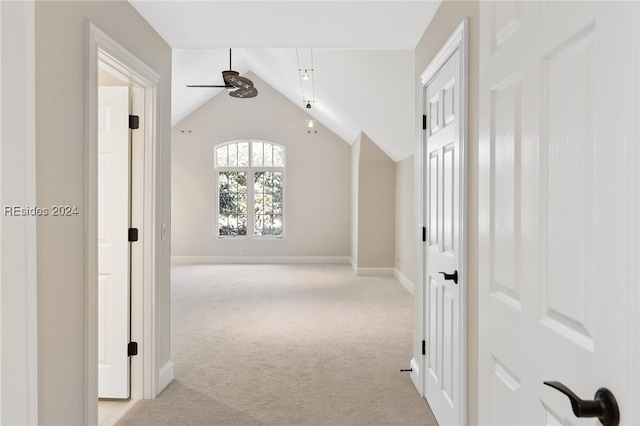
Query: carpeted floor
{"points": [[287, 345]]}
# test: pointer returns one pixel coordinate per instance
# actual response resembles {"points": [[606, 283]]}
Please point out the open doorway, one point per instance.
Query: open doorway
{"points": [[116, 166], [139, 87]]}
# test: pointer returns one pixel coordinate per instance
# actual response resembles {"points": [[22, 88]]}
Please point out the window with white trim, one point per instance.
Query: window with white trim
{"points": [[250, 189]]}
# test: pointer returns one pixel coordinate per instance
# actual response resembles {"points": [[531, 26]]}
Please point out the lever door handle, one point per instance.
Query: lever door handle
{"points": [[453, 276], [604, 406]]}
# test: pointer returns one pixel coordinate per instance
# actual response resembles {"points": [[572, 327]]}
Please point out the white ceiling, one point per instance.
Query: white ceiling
{"points": [[362, 51]]}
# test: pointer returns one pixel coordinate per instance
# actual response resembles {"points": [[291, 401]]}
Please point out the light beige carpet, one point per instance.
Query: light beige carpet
{"points": [[287, 345]]}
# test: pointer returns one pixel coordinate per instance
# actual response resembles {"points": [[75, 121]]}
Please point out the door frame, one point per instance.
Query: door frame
{"points": [[458, 41], [634, 250], [102, 50], [18, 266]]}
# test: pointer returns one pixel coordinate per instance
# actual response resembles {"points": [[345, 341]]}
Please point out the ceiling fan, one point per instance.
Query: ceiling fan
{"points": [[238, 86]]}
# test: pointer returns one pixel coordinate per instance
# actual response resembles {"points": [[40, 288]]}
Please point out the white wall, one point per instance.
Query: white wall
{"points": [[447, 18], [60, 139], [373, 208], [376, 206], [355, 171], [317, 179], [406, 229]]}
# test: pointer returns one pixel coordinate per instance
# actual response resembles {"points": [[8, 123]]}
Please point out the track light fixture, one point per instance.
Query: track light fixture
{"points": [[307, 82], [311, 124]]}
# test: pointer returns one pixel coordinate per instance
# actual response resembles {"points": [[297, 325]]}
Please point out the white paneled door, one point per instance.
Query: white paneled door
{"points": [[558, 204], [444, 352], [113, 251]]}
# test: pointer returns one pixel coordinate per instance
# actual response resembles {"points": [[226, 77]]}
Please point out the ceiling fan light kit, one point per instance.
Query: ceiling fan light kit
{"points": [[237, 85]]}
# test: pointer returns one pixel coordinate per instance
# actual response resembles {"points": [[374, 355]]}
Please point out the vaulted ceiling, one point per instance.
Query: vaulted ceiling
{"points": [[362, 54]]}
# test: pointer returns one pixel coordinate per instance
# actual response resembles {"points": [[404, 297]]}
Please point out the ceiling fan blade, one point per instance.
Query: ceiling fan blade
{"points": [[238, 86], [238, 81], [251, 92]]}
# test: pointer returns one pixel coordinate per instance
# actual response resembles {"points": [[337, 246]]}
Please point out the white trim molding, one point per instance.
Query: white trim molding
{"points": [[165, 376], [633, 158], [415, 375], [369, 271], [253, 260], [458, 41], [402, 279], [18, 303], [373, 272], [354, 265]]}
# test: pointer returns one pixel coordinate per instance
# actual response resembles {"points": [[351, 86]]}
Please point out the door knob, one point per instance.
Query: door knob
{"points": [[453, 276], [604, 407]]}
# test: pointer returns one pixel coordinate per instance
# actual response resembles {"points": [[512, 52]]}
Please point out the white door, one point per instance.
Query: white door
{"points": [[558, 208], [113, 251], [443, 277]]}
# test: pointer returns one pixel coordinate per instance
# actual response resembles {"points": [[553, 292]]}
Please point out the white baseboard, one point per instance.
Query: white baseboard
{"points": [[119, 413], [387, 272], [415, 375], [219, 260], [403, 280], [370, 271], [165, 376]]}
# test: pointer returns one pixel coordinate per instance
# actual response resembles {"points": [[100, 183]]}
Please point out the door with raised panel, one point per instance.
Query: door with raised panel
{"points": [[113, 250], [444, 266], [558, 208]]}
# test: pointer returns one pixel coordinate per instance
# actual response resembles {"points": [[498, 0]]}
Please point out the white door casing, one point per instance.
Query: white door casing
{"points": [[102, 50], [18, 283], [113, 252], [443, 183], [558, 105]]}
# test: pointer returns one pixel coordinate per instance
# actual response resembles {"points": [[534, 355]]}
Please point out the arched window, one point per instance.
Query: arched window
{"points": [[250, 189]]}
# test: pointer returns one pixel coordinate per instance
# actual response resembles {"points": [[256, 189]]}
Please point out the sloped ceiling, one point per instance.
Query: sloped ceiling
{"points": [[361, 51]]}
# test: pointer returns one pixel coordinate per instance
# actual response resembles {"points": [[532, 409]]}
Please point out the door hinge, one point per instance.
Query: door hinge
{"points": [[134, 122], [133, 235], [132, 349], [424, 122], [424, 233], [424, 347]]}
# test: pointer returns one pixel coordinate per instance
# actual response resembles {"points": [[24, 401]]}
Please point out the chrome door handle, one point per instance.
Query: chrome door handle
{"points": [[453, 276], [604, 406]]}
